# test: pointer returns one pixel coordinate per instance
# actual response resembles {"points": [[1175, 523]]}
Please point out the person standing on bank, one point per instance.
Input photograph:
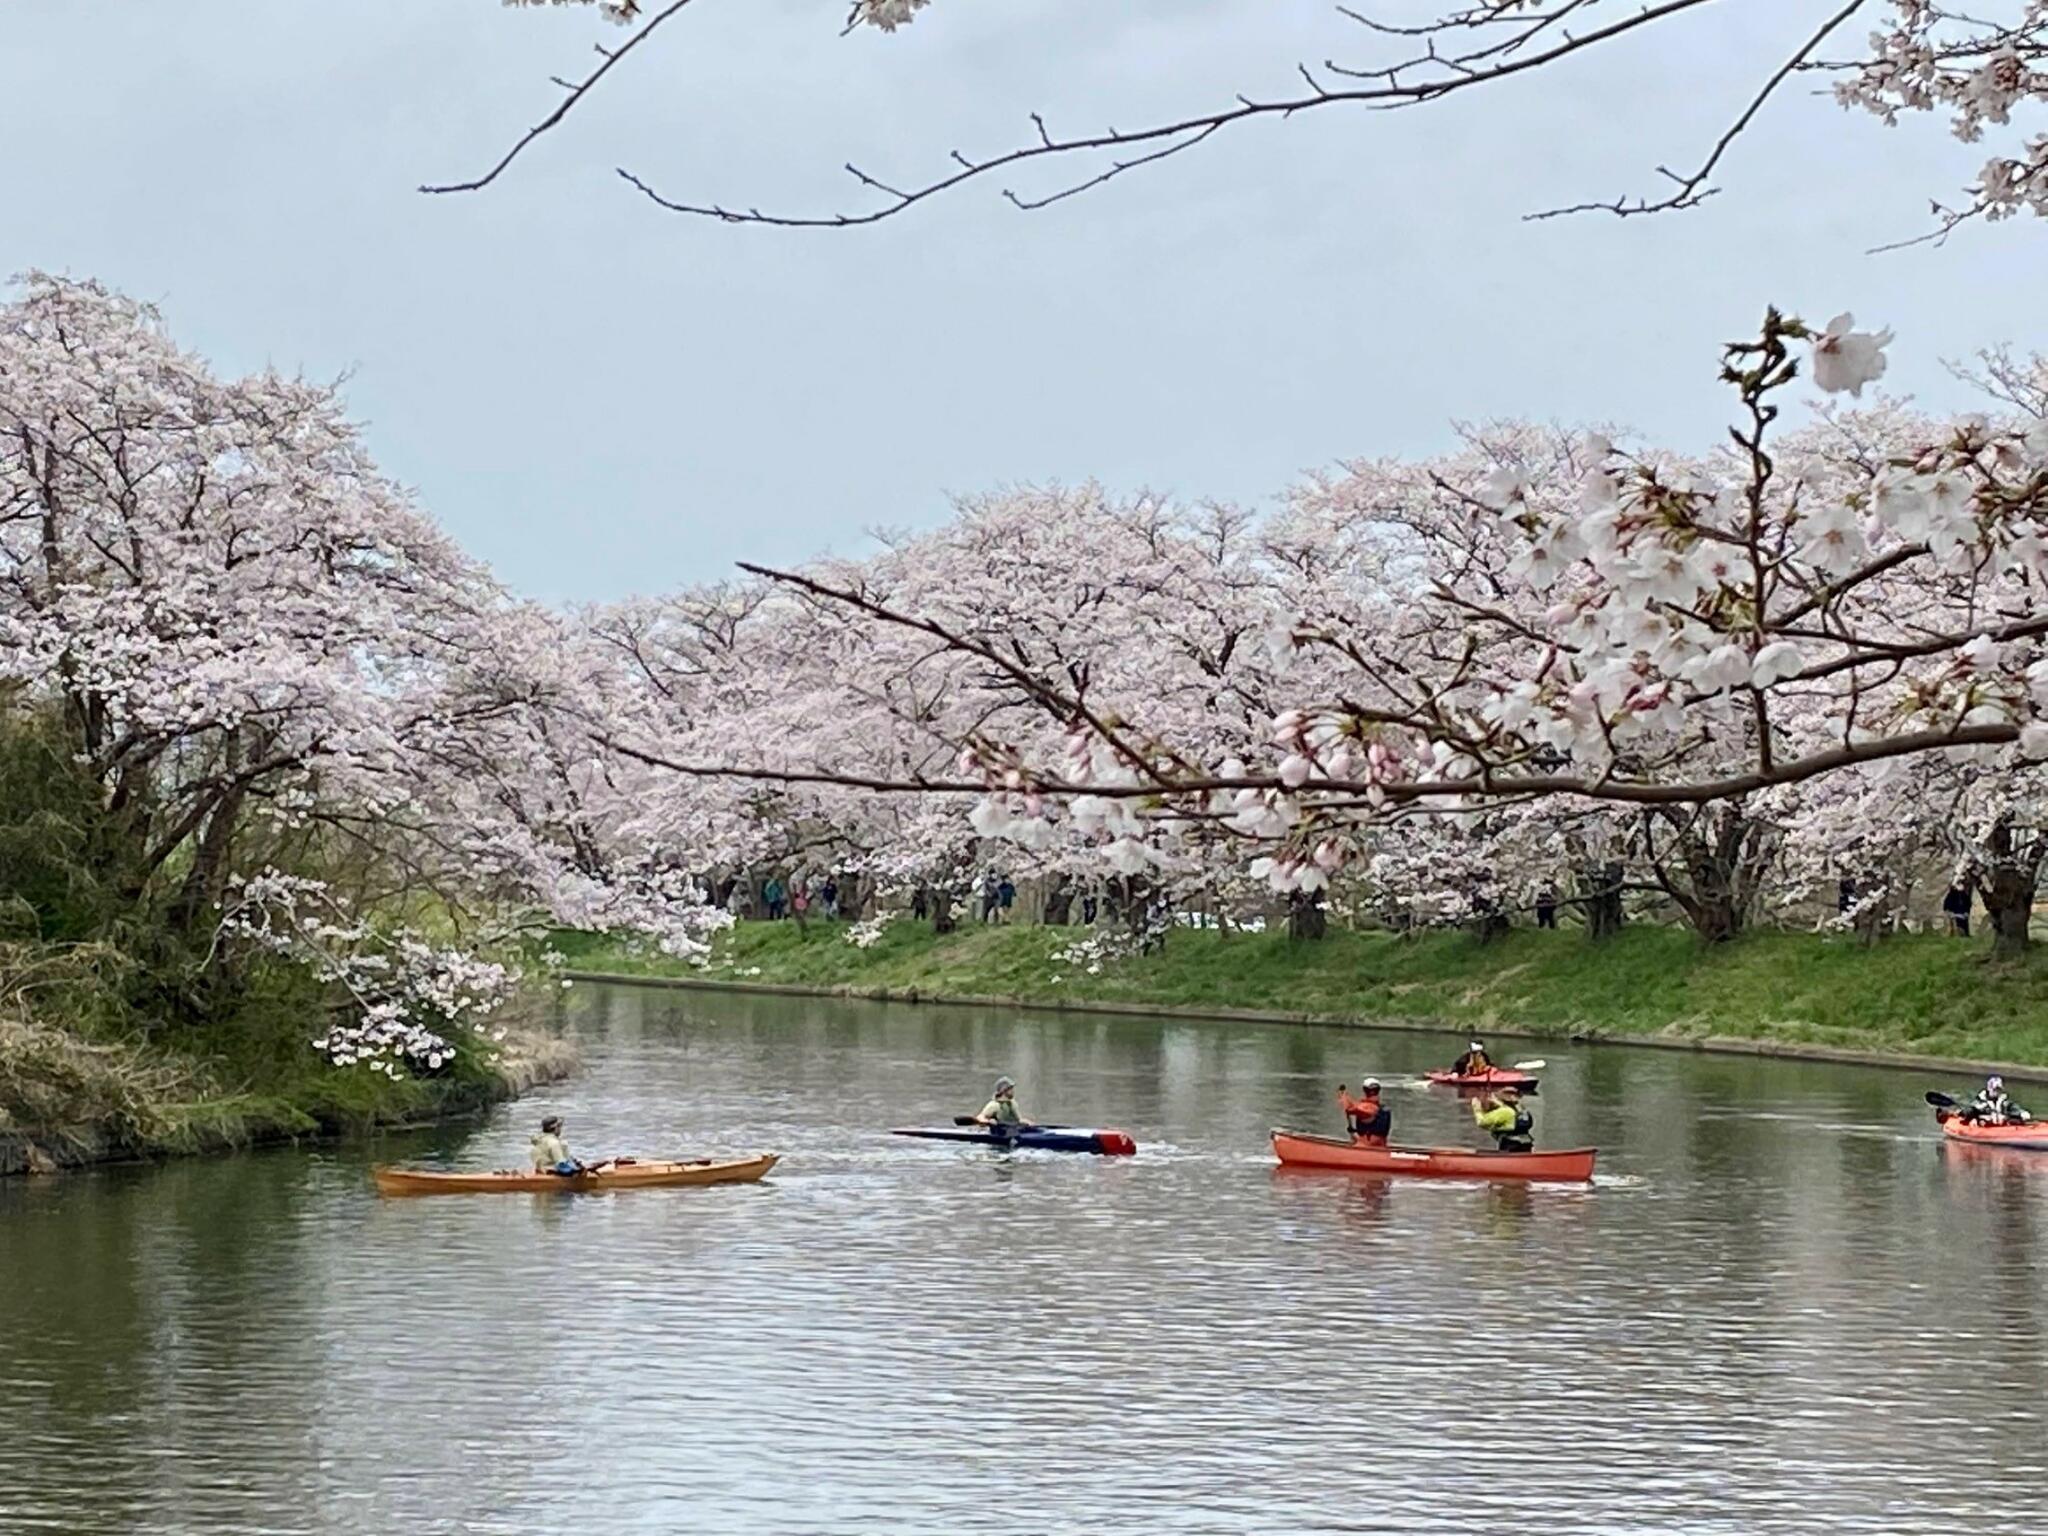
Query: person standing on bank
{"points": [[1956, 904]]}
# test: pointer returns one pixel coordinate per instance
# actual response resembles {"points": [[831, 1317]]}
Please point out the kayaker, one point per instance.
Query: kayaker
{"points": [[550, 1152], [1002, 1109], [1369, 1119], [1994, 1106], [1508, 1119], [1474, 1063]]}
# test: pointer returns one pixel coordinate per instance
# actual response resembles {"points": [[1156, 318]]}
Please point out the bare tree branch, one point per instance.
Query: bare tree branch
{"points": [[576, 93], [1692, 190]]}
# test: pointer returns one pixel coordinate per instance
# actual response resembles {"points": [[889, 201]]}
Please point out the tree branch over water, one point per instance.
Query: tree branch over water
{"points": [[1920, 58]]}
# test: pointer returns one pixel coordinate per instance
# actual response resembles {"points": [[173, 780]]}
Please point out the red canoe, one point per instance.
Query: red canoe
{"points": [[1298, 1151], [2031, 1135], [1492, 1077]]}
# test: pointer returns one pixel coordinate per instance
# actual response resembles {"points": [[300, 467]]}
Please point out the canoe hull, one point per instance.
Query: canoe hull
{"points": [[1042, 1138], [628, 1175], [1498, 1077], [2030, 1137], [1573, 1166]]}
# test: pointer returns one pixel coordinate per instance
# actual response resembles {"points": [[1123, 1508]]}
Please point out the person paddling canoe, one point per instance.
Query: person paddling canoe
{"points": [[1368, 1118], [1000, 1112], [550, 1152], [1507, 1118], [1994, 1106], [1475, 1062]]}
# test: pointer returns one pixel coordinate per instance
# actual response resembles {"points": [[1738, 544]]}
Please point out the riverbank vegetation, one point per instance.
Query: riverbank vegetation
{"points": [[1914, 995], [276, 799]]}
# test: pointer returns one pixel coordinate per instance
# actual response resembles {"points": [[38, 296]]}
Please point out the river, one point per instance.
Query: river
{"points": [[1783, 1306]]}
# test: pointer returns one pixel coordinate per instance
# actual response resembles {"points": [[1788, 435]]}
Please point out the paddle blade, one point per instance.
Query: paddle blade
{"points": [[1531, 1066], [1940, 1100], [965, 1120]]}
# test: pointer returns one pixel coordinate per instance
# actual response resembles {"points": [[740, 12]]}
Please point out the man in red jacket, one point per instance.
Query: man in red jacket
{"points": [[1369, 1119]]}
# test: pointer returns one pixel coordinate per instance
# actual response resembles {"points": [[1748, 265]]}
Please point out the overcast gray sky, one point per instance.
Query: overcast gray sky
{"points": [[600, 398]]}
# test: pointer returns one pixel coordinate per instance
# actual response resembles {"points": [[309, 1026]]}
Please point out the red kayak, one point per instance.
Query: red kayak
{"points": [[1295, 1150], [2026, 1136], [1492, 1077]]}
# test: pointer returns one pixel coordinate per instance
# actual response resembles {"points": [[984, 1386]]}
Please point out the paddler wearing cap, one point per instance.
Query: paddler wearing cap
{"points": [[1369, 1119], [1002, 1109], [1474, 1063], [1503, 1114]]}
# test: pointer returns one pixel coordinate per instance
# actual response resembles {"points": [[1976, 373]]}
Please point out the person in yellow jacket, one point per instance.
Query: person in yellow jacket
{"points": [[1504, 1115]]}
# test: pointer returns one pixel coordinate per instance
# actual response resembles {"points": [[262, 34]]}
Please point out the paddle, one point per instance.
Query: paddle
{"points": [[999, 1128], [1940, 1100], [1530, 1066]]}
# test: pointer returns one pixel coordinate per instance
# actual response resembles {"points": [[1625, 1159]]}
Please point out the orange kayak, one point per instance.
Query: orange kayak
{"points": [[2028, 1135], [625, 1173], [1299, 1151]]}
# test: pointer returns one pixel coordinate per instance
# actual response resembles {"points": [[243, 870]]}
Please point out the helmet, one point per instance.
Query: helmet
{"points": [[1370, 1085], [551, 1124], [1995, 1083], [1004, 1085], [1475, 1045]]}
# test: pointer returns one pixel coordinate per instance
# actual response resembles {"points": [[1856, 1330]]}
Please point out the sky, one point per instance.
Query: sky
{"points": [[600, 398]]}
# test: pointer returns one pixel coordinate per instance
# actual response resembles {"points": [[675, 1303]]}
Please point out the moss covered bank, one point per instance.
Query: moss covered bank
{"points": [[69, 1098]]}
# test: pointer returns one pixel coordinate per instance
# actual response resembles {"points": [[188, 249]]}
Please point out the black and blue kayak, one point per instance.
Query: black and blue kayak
{"points": [[1034, 1138]]}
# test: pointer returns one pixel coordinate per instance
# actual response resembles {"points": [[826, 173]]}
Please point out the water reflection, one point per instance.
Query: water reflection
{"points": [[1785, 1305]]}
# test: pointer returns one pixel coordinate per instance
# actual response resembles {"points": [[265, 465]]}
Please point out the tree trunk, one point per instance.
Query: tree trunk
{"points": [[940, 901], [2007, 884], [1307, 917], [1059, 903], [1714, 867], [1600, 899], [1488, 922], [206, 881]]}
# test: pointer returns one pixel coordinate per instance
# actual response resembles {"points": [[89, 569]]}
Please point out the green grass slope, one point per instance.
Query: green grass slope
{"points": [[1909, 995]]}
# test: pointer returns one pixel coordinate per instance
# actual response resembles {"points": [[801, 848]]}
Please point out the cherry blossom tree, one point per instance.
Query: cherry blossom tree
{"points": [[306, 713], [1544, 615]]}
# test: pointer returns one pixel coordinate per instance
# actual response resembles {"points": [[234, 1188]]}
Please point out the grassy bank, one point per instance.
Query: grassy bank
{"points": [[74, 1093], [1913, 995]]}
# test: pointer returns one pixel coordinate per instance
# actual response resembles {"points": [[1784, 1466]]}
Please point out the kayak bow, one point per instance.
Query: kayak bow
{"points": [[1296, 1150], [1036, 1138], [625, 1173], [2028, 1136]]}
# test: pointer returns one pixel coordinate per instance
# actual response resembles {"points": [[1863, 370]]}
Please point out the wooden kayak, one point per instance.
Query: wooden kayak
{"points": [[1299, 1151], [1035, 1138], [1492, 1077], [2027, 1136], [625, 1173]]}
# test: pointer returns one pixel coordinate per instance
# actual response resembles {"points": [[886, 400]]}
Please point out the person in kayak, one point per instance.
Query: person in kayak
{"points": [[1507, 1118], [550, 1152], [1474, 1063], [1994, 1106], [1000, 1112], [1368, 1118]]}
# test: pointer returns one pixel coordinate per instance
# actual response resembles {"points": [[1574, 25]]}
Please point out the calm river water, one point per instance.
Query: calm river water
{"points": [[1783, 1307]]}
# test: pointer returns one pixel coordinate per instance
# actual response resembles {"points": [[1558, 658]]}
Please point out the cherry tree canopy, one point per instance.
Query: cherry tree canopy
{"points": [[277, 670], [1544, 615]]}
